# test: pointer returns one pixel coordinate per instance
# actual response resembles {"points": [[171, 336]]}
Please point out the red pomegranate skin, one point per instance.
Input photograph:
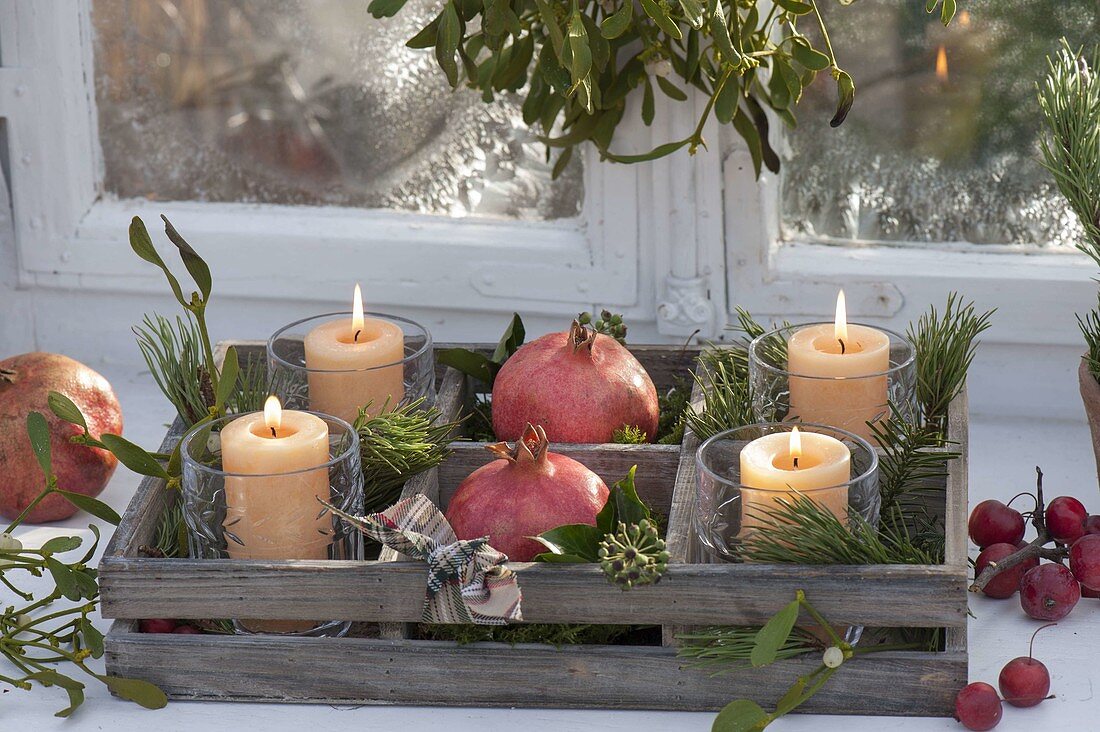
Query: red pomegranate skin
{"points": [[580, 388], [25, 382], [529, 491]]}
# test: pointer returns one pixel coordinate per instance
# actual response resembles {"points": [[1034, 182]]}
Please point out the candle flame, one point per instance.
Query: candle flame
{"points": [[796, 444], [840, 324], [964, 19], [941, 64], [356, 313], [273, 413]]}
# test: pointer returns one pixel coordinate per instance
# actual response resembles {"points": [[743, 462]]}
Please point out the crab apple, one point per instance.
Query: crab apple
{"points": [[1025, 681], [186, 630], [1092, 524], [158, 625], [1066, 519], [1084, 561], [992, 522], [1086, 592], [1049, 592], [978, 707], [1005, 584]]}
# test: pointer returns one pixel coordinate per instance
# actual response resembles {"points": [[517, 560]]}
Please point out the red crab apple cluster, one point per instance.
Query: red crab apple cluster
{"points": [[1006, 565], [1023, 682]]}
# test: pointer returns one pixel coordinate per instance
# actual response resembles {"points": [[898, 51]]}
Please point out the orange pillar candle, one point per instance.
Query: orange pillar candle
{"points": [[838, 374], [775, 466], [355, 362], [271, 498]]}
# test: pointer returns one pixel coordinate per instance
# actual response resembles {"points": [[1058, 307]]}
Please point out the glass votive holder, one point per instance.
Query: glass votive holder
{"points": [[727, 510], [307, 363], [799, 373], [273, 515]]}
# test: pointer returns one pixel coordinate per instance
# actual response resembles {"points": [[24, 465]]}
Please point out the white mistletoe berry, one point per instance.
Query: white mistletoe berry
{"points": [[833, 657]]}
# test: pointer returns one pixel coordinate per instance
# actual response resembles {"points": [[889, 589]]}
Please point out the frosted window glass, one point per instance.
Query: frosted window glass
{"points": [[927, 157], [308, 102]]}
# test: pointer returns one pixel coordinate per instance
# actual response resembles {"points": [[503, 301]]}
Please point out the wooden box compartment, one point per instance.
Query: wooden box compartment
{"points": [[385, 598]]}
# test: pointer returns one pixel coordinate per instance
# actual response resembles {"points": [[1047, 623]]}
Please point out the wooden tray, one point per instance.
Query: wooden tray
{"points": [[393, 668]]}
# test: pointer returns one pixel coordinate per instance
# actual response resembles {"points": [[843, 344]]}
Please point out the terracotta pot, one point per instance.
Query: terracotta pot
{"points": [[1090, 395]]}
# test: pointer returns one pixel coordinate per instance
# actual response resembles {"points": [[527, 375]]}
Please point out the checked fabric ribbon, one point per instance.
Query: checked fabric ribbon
{"points": [[467, 580]]}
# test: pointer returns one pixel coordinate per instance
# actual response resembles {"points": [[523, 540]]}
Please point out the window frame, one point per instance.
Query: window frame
{"points": [[69, 234], [1036, 291]]}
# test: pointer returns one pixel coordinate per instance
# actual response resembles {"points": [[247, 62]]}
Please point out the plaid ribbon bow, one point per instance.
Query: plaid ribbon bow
{"points": [[467, 580]]}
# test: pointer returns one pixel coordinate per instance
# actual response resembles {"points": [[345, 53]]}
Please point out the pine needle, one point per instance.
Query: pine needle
{"points": [[174, 355], [727, 399], [945, 348], [396, 445], [1090, 329], [726, 649], [1070, 100], [800, 531]]}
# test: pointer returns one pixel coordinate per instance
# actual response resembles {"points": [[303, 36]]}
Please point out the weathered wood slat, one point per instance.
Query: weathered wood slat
{"points": [[957, 509], [695, 594], [367, 671]]}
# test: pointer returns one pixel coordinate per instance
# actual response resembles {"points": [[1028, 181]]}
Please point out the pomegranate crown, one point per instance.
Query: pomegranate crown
{"points": [[532, 446], [581, 336]]}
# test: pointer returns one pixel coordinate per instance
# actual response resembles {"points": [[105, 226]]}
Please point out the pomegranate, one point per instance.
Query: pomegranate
{"points": [[529, 491], [25, 382], [579, 385]]}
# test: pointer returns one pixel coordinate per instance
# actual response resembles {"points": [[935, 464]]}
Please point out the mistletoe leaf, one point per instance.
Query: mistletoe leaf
{"points": [[671, 90], [39, 433], [94, 506], [648, 105], [142, 245], [795, 7], [446, 46], [580, 54], [721, 34], [656, 10], [133, 457], [616, 24], [771, 637], [427, 37], [742, 715], [808, 57], [947, 12], [550, 22], [693, 12], [60, 544], [196, 265], [658, 152], [385, 8], [135, 690], [511, 340], [65, 408], [846, 96]]}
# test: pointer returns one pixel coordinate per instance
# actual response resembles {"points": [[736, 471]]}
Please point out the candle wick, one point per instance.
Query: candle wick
{"points": [[796, 463], [355, 338], [842, 348], [273, 434]]}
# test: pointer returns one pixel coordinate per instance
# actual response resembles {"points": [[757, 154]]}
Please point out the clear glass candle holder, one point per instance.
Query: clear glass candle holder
{"points": [[850, 402], [728, 511], [300, 384], [272, 516]]}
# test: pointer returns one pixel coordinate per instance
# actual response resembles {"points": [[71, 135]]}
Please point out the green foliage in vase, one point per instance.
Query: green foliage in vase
{"points": [[396, 445], [1089, 324], [1069, 98], [727, 399], [576, 63], [35, 637]]}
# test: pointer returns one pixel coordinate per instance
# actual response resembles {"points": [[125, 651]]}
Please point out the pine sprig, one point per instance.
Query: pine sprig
{"points": [[801, 531], [727, 398], [1069, 98], [945, 346], [1090, 329], [396, 445], [173, 353], [724, 649]]}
